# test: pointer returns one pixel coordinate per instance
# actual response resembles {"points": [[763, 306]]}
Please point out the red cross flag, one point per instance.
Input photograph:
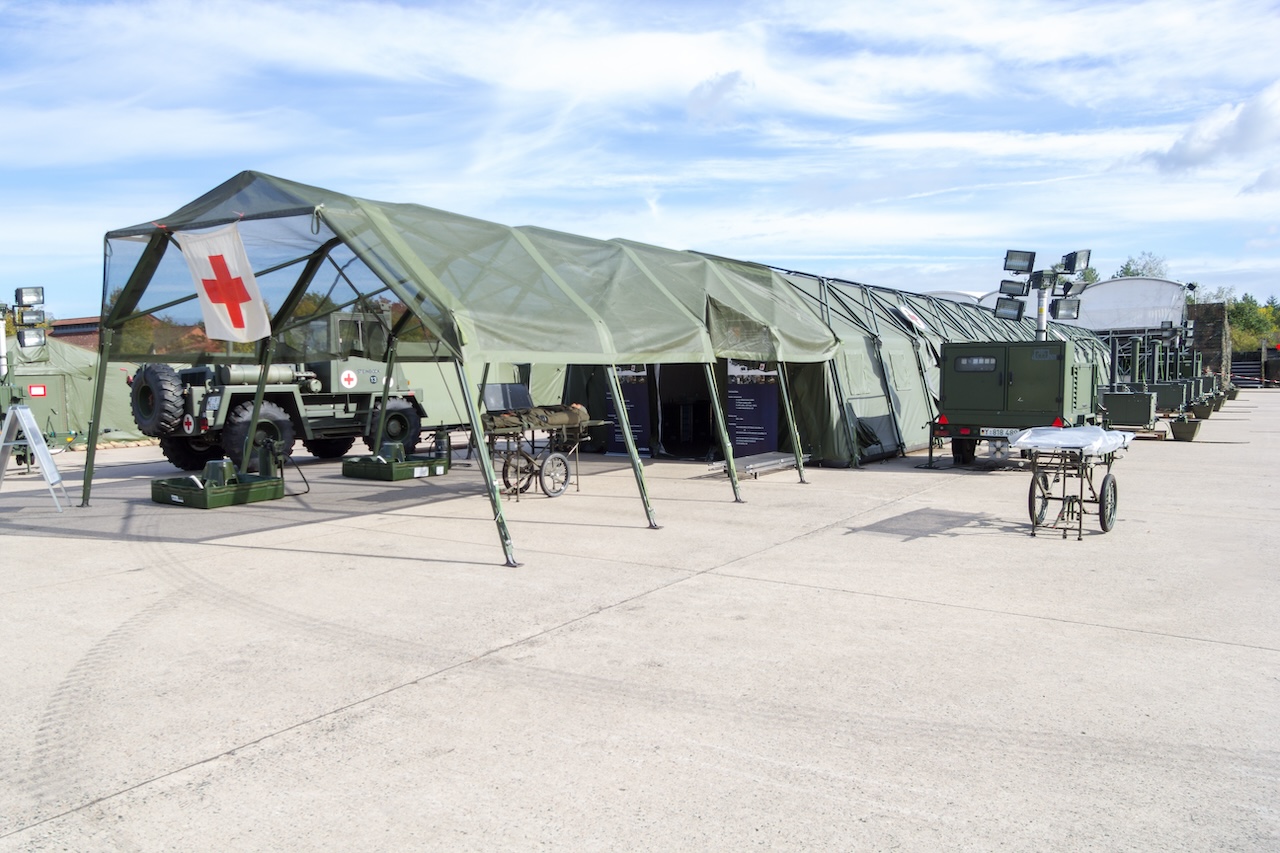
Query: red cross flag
{"points": [[229, 299]]}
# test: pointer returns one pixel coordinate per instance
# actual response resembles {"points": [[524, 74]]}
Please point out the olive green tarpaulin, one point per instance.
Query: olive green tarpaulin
{"points": [[56, 382], [479, 291], [456, 289]]}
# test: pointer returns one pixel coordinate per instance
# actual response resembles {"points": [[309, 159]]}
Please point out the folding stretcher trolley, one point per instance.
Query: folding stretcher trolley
{"points": [[513, 425], [1063, 464]]}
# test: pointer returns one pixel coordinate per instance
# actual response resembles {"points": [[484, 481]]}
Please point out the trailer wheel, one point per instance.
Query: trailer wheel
{"points": [[189, 454], [328, 448], [1038, 499], [964, 450], [273, 425], [403, 425], [553, 477], [155, 396], [1107, 495]]}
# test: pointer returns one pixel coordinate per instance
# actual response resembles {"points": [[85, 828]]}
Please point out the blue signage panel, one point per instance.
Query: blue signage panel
{"points": [[753, 410], [635, 394]]}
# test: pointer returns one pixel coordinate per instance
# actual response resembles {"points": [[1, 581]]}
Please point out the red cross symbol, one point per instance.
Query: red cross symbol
{"points": [[225, 289]]}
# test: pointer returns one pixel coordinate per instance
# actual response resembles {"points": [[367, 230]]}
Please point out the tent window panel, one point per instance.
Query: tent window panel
{"points": [[903, 368]]}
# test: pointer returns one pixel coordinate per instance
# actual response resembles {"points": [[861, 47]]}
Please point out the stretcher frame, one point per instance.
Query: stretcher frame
{"points": [[552, 461], [1066, 477]]}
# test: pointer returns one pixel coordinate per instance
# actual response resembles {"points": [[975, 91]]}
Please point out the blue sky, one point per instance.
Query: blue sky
{"points": [[905, 144]]}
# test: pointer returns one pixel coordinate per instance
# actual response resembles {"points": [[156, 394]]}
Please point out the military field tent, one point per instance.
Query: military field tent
{"points": [[458, 289], [56, 382], [886, 372]]}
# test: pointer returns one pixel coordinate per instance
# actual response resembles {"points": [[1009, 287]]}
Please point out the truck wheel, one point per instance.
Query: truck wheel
{"points": [[403, 425], [156, 398], [189, 454], [328, 448], [273, 425]]}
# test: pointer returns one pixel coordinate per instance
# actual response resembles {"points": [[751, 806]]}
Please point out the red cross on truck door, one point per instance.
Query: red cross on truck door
{"points": [[230, 303]]}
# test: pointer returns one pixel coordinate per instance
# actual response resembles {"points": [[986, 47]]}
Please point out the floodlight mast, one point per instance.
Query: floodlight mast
{"points": [[4, 344], [1042, 281], [1043, 287]]}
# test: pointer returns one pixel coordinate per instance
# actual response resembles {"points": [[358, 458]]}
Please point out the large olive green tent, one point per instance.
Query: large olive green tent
{"points": [[460, 290], [884, 379], [55, 380]]}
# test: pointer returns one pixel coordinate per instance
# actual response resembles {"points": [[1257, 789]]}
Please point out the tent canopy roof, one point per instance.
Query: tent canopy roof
{"points": [[461, 287]]}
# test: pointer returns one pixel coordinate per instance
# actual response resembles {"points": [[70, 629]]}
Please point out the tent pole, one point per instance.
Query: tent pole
{"points": [[725, 444], [791, 418], [486, 465], [246, 452], [388, 372], [624, 424], [846, 414], [99, 390]]}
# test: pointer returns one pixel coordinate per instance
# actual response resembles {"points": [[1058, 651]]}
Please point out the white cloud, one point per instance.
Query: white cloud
{"points": [[82, 134], [1268, 181], [1245, 130]]}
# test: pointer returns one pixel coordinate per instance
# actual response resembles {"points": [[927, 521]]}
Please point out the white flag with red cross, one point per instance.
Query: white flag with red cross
{"points": [[229, 298]]}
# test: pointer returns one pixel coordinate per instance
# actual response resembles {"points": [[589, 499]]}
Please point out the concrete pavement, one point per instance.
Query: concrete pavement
{"points": [[879, 659]]}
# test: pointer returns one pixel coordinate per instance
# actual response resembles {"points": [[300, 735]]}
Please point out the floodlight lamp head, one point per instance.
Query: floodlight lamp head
{"points": [[1013, 287], [1073, 287], [30, 317], [1019, 263], [1010, 309], [30, 338], [25, 297], [1043, 279], [1065, 309], [1076, 261]]}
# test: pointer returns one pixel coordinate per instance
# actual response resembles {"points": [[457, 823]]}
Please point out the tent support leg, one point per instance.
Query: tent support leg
{"points": [[486, 466], [846, 413], [99, 390], [388, 372], [624, 424], [246, 452], [725, 444], [783, 386]]}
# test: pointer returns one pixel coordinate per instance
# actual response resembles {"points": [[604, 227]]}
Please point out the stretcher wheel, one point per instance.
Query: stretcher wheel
{"points": [[1107, 503], [1038, 498], [518, 471], [553, 478]]}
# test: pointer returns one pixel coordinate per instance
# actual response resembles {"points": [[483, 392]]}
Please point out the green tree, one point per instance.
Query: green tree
{"points": [[1252, 325], [1146, 265]]}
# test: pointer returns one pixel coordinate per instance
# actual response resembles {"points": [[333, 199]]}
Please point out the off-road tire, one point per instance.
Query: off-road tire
{"points": [[189, 454], [328, 448], [403, 425], [273, 425], [156, 399]]}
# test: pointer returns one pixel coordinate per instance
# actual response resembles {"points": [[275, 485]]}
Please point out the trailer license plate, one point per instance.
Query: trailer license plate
{"points": [[998, 432]]}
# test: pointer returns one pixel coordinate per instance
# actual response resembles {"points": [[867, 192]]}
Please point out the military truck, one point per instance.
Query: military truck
{"points": [[991, 390], [330, 396]]}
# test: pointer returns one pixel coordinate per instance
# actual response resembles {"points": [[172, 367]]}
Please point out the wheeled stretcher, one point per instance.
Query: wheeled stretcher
{"points": [[1063, 465], [535, 443]]}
